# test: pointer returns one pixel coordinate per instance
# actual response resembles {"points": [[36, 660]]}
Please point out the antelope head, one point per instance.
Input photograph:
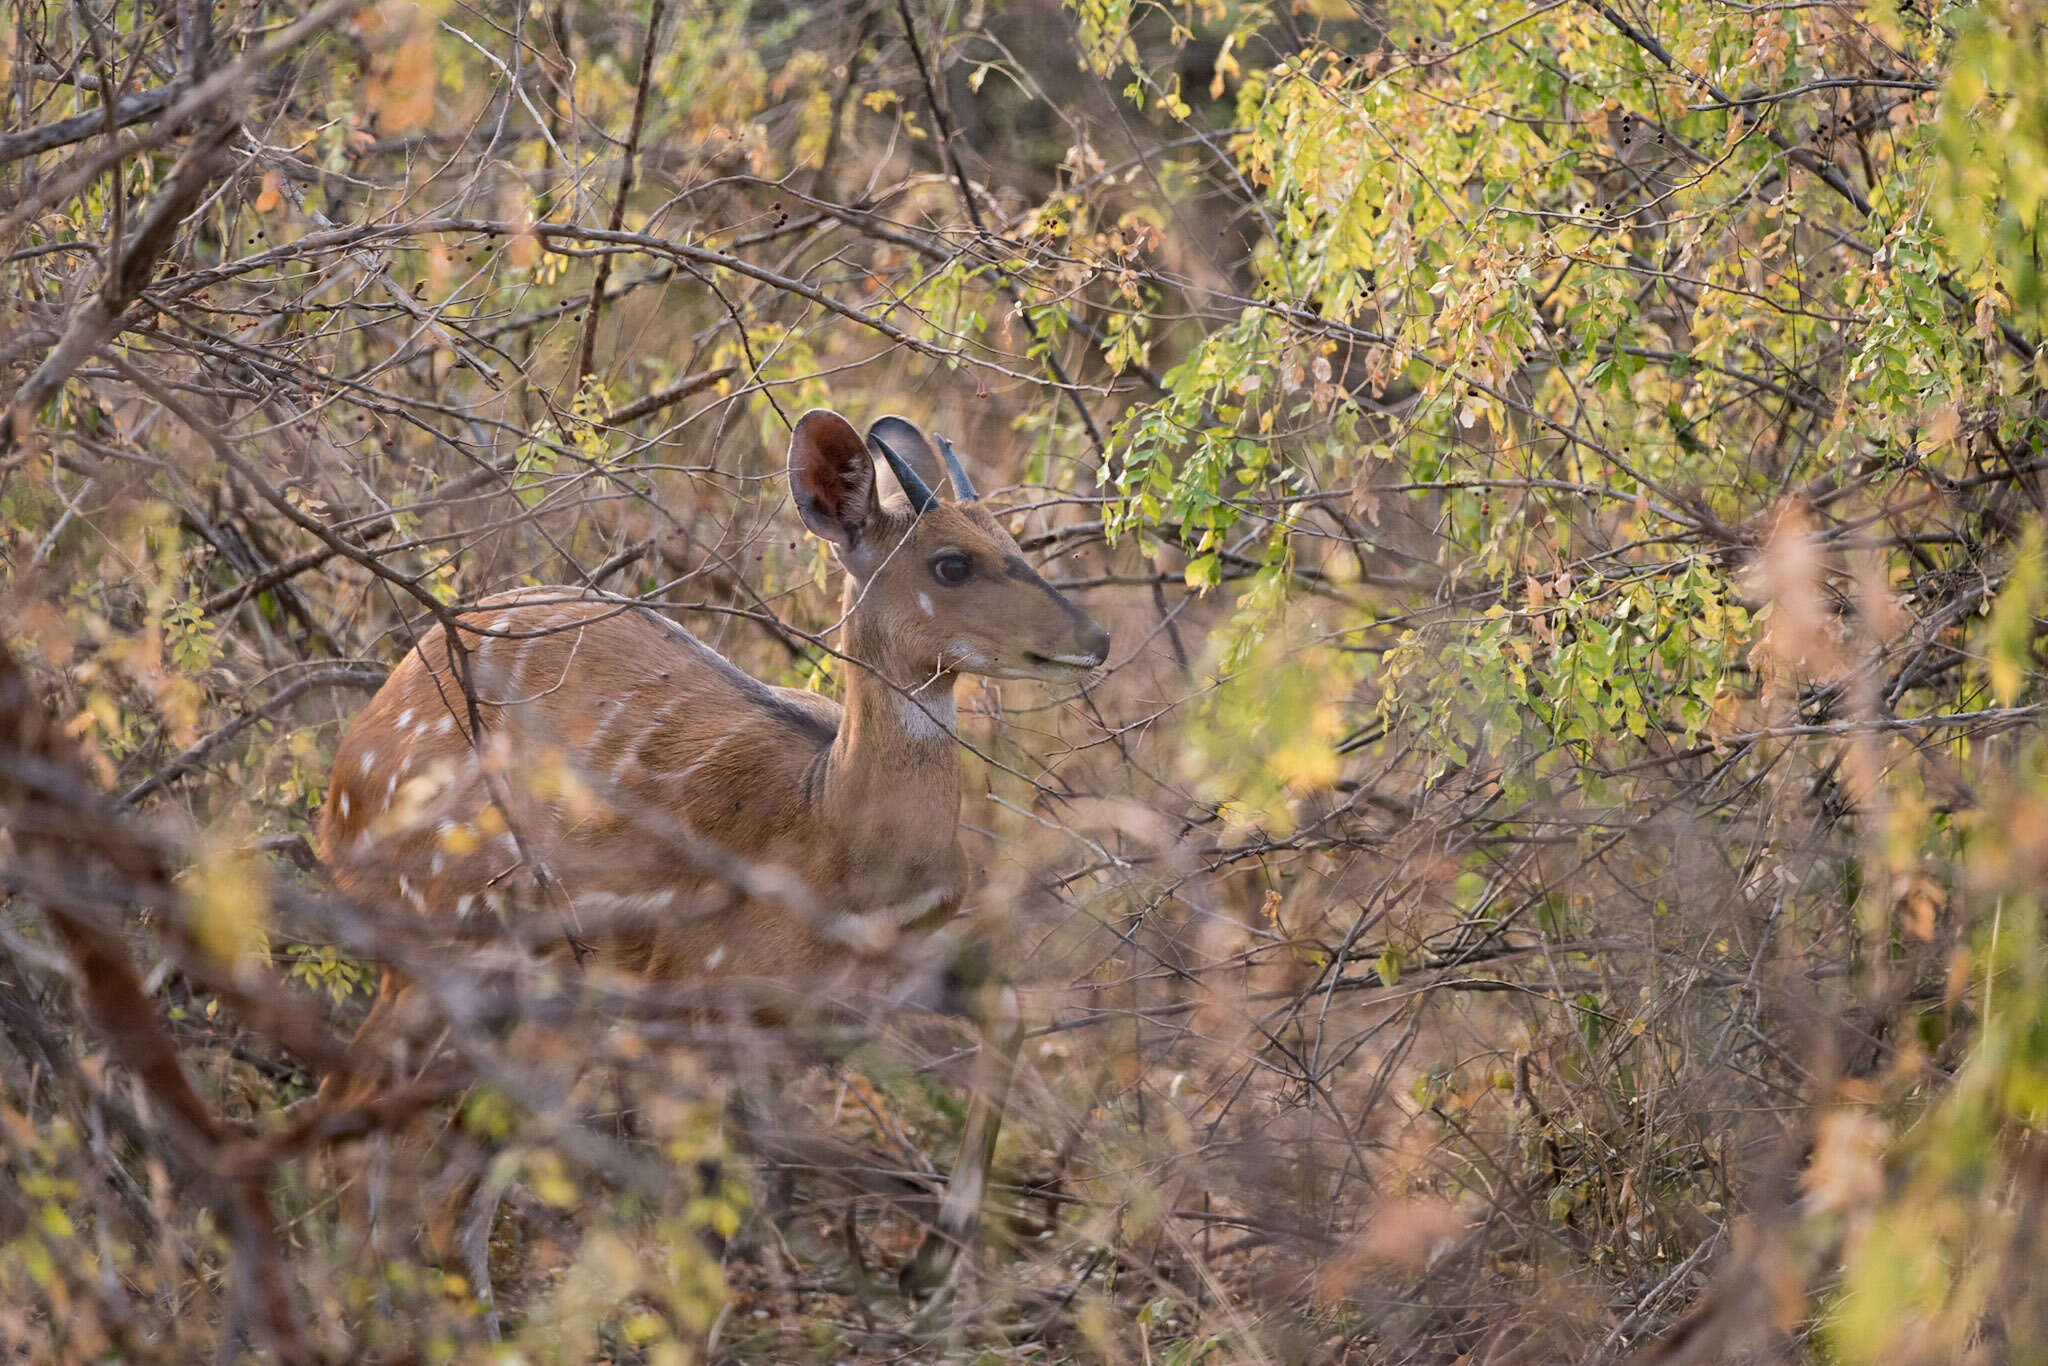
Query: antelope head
{"points": [[940, 584]]}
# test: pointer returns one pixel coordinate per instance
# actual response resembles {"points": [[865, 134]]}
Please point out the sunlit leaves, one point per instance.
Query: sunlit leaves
{"points": [[2009, 635], [1105, 34], [1993, 135], [1268, 735], [1581, 670], [190, 636]]}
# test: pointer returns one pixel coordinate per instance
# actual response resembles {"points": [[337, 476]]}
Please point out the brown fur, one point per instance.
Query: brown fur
{"points": [[624, 746], [688, 820]]}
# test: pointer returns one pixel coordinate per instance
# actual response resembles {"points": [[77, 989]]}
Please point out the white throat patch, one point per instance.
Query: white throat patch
{"points": [[930, 721]]}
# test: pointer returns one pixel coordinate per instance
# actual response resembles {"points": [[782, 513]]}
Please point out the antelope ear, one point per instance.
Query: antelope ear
{"points": [[903, 437], [831, 477]]}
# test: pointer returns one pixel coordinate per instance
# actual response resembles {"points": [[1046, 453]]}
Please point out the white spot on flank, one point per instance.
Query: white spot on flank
{"points": [[462, 906], [627, 759], [440, 862], [447, 724], [715, 957], [511, 845], [628, 903], [405, 718], [369, 761], [502, 624], [344, 806], [684, 775], [631, 754], [391, 788], [614, 709], [924, 602], [518, 671]]}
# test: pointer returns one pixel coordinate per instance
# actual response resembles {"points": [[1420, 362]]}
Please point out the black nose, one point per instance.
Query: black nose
{"points": [[1095, 641]]}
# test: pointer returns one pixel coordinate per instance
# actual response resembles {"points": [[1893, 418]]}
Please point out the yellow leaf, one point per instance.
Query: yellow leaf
{"points": [[57, 1223], [228, 907], [1305, 764]]}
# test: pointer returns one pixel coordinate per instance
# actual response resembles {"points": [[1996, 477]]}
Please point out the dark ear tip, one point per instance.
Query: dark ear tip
{"points": [[815, 419], [822, 439]]}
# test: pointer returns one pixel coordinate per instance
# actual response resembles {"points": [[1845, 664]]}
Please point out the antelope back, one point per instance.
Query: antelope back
{"points": [[640, 773]]}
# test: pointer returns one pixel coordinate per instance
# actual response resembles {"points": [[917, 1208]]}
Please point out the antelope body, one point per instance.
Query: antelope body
{"points": [[588, 759]]}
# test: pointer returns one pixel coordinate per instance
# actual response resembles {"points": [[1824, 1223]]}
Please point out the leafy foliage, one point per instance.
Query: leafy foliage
{"points": [[1556, 863]]}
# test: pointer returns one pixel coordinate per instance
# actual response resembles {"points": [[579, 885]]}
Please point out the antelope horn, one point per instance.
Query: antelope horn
{"points": [[963, 487], [922, 499]]}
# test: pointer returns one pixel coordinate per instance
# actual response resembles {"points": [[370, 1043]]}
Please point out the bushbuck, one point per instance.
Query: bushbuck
{"points": [[583, 757]]}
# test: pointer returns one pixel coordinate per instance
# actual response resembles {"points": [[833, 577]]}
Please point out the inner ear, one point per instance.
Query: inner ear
{"points": [[831, 477], [903, 437]]}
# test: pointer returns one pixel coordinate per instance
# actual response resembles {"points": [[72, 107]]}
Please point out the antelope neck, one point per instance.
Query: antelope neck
{"points": [[892, 775]]}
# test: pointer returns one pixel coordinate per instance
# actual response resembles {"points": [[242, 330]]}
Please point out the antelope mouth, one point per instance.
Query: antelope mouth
{"points": [[1063, 666]]}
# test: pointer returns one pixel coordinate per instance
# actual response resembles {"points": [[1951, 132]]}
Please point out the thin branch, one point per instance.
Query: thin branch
{"points": [[93, 325], [364, 676], [595, 307], [135, 108]]}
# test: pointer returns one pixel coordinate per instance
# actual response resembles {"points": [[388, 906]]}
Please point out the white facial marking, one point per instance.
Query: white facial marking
{"points": [[924, 602], [715, 957], [967, 656]]}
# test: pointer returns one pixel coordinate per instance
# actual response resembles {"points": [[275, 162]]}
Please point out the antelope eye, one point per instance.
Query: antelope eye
{"points": [[952, 568]]}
